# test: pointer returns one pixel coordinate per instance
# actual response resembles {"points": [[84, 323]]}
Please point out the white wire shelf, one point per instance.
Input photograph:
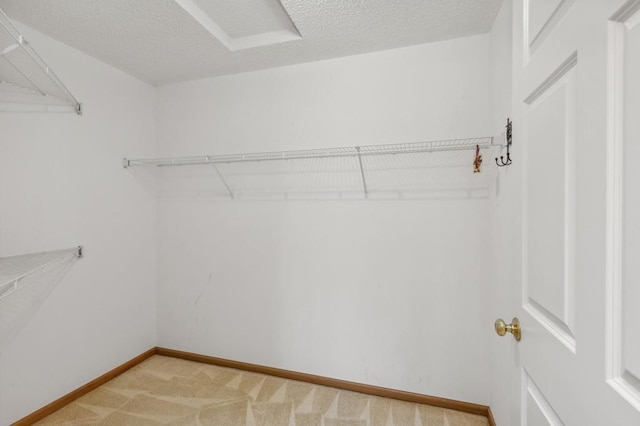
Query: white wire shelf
{"points": [[16, 272], [408, 170], [26, 81], [389, 149]]}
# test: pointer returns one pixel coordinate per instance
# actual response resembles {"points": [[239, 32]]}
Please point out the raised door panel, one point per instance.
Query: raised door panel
{"points": [[549, 207], [536, 409], [540, 19], [624, 203], [631, 289]]}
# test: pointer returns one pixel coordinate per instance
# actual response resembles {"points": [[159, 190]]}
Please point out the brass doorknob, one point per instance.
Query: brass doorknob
{"points": [[503, 328]]}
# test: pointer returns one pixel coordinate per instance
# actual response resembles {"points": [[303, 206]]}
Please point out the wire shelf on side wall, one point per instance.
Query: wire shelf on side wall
{"points": [[17, 271], [432, 169], [27, 84]]}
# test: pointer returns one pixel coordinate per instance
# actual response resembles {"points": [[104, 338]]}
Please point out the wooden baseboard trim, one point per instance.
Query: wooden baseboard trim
{"points": [[492, 421], [83, 390], [451, 404]]}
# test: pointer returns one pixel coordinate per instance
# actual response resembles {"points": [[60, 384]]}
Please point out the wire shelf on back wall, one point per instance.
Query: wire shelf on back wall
{"points": [[26, 81], [410, 170]]}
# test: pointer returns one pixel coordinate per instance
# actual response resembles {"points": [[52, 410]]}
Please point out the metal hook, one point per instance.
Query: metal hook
{"points": [[503, 162]]}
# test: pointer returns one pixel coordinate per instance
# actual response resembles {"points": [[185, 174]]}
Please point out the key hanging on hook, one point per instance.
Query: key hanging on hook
{"points": [[477, 161], [502, 162]]}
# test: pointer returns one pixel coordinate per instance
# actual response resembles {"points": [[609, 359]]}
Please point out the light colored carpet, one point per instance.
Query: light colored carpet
{"points": [[170, 391]]}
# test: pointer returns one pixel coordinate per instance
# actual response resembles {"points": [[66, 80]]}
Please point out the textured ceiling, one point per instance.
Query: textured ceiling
{"points": [[165, 41]]}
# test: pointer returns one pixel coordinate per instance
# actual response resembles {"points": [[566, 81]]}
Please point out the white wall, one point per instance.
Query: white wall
{"points": [[62, 184], [387, 293], [506, 223]]}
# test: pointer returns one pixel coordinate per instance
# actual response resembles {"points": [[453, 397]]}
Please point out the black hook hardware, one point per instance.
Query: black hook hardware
{"points": [[503, 162]]}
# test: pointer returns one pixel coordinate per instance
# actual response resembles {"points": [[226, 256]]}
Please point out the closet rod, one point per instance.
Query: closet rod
{"points": [[390, 149]]}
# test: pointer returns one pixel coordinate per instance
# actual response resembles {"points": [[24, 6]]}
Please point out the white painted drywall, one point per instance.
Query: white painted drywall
{"points": [[62, 184], [394, 293], [506, 222]]}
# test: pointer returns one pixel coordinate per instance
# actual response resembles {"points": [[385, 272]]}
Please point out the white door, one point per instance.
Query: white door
{"points": [[576, 106]]}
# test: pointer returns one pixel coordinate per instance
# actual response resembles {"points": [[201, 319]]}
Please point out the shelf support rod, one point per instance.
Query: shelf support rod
{"points": [[364, 181], [24, 76], [224, 182]]}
